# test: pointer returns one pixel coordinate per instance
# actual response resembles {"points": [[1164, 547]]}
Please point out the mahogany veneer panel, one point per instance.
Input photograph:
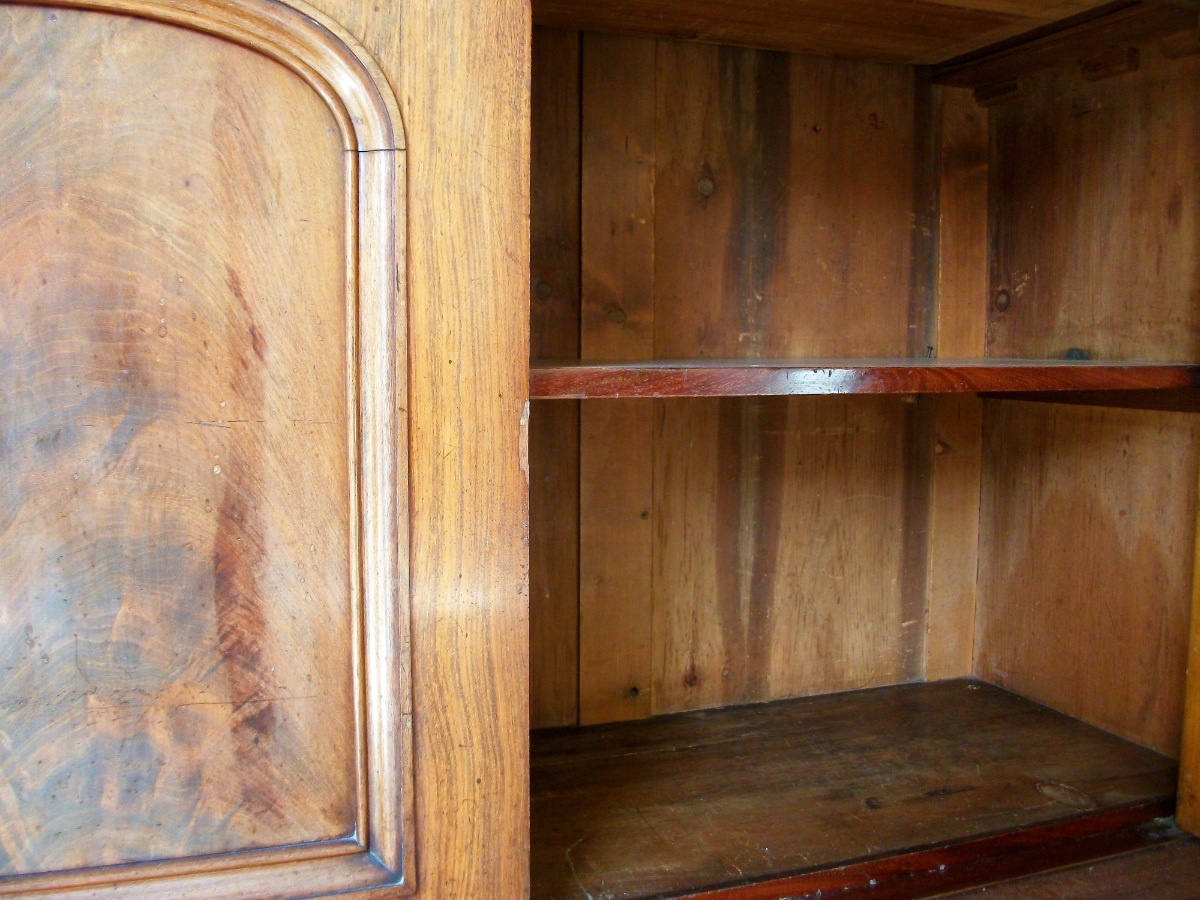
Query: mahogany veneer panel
{"points": [[202, 631], [170, 462], [741, 378], [900, 31], [735, 795]]}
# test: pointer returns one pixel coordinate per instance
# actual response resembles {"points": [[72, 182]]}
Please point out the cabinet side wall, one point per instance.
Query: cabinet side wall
{"points": [[1088, 515]]}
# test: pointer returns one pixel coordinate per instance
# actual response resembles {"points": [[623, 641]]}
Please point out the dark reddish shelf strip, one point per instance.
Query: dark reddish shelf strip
{"points": [[737, 378], [972, 863]]}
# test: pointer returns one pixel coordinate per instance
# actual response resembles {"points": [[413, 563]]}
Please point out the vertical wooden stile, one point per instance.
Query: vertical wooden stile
{"points": [[958, 421], [554, 425], [1187, 813]]}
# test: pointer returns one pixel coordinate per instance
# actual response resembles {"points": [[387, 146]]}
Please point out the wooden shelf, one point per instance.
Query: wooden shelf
{"points": [[946, 782], [773, 378]]}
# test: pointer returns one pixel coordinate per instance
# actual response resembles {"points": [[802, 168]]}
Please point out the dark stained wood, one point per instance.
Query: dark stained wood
{"points": [[932, 872], [554, 427], [897, 31], [1170, 871], [1086, 42], [668, 806], [740, 378]]}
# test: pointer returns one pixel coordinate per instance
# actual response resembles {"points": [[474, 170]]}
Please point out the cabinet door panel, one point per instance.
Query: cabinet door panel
{"points": [[201, 626]]}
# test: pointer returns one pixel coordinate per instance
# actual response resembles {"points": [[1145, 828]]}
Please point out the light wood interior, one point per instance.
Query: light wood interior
{"points": [[733, 203], [724, 206]]}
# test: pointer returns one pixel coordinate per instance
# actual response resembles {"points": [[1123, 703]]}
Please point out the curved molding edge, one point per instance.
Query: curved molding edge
{"points": [[297, 36], [380, 858]]}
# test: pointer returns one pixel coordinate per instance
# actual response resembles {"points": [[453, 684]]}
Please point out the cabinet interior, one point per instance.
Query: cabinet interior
{"points": [[737, 208]]}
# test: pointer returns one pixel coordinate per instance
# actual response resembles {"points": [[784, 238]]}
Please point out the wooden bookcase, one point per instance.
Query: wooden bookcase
{"points": [[863, 445]]}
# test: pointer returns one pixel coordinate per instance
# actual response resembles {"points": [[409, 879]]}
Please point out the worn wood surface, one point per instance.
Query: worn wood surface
{"points": [[723, 210], [778, 555], [460, 71], [729, 796], [1089, 515], [1189, 761], [180, 658], [1095, 216], [1170, 872], [1085, 562], [997, 858], [961, 315], [888, 31], [156, 530], [554, 428], [1094, 38], [776, 378], [616, 439], [785, 202]]}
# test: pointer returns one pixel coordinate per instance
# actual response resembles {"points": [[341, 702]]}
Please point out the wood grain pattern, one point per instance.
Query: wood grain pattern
{"points": [[957, 431], [777, 572], [1168, 872], [554, 427], [987, 860], [1085, 568], [666, 807], [1083, 210], [1188, 812], [889, 31], [783, 378], [461, 73], [1091, 39], [151, 334], [784, 205], [1095, 212], [747, 170], [616, 458]]}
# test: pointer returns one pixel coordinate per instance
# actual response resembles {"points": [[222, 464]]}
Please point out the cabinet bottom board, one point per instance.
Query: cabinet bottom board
{"points": [[947, 774]]}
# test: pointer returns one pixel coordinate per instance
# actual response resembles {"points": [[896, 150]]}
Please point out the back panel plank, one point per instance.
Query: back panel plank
{"points": [[738, 204], [616, 439], [785, 198], [175, 490], [778, 549]]}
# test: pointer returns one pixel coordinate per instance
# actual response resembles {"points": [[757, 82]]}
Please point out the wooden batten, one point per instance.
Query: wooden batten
{"points": [[1187, 812]]}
